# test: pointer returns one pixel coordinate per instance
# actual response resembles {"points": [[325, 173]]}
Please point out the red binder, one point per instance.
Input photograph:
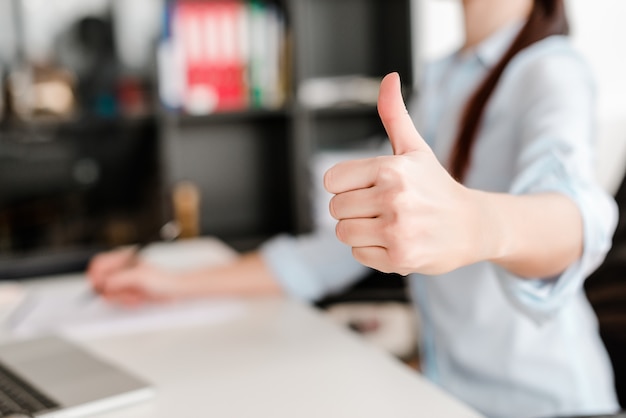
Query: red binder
{"points": [[213, 36]]}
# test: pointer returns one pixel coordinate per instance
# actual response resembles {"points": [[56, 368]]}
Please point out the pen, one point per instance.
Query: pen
{"points": [[168, 232]]}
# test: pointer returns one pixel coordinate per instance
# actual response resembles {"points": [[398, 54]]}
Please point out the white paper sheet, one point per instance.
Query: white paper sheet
{"points": [[74, 312], [72, 309]]}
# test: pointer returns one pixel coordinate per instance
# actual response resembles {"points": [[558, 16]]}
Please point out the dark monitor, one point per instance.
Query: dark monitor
{"points": [[69, 190]]}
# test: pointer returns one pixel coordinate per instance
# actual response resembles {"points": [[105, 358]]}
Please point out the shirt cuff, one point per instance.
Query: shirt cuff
{"points": [[312, 266], [538, 298]]}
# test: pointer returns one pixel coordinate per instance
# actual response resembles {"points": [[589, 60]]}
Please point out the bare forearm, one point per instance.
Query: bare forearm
{"points": [[533, 236], [246, 276]]}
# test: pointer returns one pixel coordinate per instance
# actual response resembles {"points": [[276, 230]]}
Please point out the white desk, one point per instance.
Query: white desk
{"points": [[279, 359]]}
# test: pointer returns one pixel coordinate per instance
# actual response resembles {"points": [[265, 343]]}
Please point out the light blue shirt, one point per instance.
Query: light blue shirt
{"points": [[510, 347]]}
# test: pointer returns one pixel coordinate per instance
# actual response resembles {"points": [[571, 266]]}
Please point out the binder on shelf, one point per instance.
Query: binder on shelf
{"points": [[223, 55], [266, 56], [214, 56]]}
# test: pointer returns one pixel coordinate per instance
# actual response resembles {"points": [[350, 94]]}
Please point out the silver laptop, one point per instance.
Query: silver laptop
{"points": [[52, 377]]}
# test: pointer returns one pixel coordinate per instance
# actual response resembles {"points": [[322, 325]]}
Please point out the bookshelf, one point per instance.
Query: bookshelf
{"points": [[252, 164]]}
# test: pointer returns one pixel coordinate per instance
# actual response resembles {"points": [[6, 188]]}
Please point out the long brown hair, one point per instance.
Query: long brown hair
{"points": [[548, 17]]}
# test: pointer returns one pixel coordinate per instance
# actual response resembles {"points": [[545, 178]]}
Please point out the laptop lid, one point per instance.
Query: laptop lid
{"points": [[73, 377]]}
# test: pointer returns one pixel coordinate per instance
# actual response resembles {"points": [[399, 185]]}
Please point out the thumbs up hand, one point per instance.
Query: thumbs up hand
{"points": [[403, 213]]}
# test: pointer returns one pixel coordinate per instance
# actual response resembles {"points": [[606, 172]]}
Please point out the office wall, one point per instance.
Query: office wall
{"points": [[137, 24], [598, 27], [7, 33], [44, 19]]}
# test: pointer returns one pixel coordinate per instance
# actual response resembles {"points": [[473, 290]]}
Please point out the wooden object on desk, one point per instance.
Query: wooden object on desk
{"points": [[186, 200]]}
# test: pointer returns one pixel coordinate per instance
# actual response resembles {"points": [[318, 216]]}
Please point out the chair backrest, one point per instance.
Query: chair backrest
{"points": [[606, 290]]}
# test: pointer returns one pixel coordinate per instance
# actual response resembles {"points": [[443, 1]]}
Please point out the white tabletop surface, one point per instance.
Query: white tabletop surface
{"points": [[278, 358]]}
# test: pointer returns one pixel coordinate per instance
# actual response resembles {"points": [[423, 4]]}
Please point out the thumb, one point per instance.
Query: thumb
{"points": [[398, 124]]}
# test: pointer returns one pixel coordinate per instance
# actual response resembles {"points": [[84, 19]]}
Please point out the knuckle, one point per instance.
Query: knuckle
{"points": [[388, 171], [392, 201], [393, 168], [399, 201], [399, 228], [402, 260], [389, 233]]}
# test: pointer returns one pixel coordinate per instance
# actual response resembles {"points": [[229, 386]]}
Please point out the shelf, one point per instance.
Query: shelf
{"points": [[225, 117], [342, 111], [53, 126]]}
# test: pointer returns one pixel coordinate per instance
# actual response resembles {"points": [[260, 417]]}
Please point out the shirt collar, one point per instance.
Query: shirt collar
{"points": [[493, 48]]}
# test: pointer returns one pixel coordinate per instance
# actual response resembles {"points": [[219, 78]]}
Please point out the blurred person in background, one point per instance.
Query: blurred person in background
{"points": [[507, 223]]}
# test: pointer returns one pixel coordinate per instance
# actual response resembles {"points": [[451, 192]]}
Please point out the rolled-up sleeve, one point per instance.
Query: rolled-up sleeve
{"points": [[557, 155], [312, 266]]}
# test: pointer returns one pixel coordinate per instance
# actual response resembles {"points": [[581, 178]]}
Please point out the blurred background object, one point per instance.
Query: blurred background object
{"points": [[325, 92], [107, 45], [186, 202], [223, 56], [42, 93], [2, 93], [79, 155]]}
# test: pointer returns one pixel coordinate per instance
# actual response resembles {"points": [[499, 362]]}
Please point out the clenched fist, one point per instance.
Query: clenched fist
{"points": [[404, 213]]}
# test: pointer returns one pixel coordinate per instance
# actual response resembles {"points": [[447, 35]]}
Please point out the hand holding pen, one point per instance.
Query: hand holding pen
{"points": [[109, 271]]}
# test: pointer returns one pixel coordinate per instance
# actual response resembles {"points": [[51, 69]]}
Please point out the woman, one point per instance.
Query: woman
{"points": [[507, 328]]}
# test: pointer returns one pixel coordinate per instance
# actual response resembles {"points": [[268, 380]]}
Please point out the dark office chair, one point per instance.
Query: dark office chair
{"points": [[606, 290]]}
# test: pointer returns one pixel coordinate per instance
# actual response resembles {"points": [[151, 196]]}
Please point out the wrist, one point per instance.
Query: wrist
{"points": [[490, 234], [188, 284]]}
